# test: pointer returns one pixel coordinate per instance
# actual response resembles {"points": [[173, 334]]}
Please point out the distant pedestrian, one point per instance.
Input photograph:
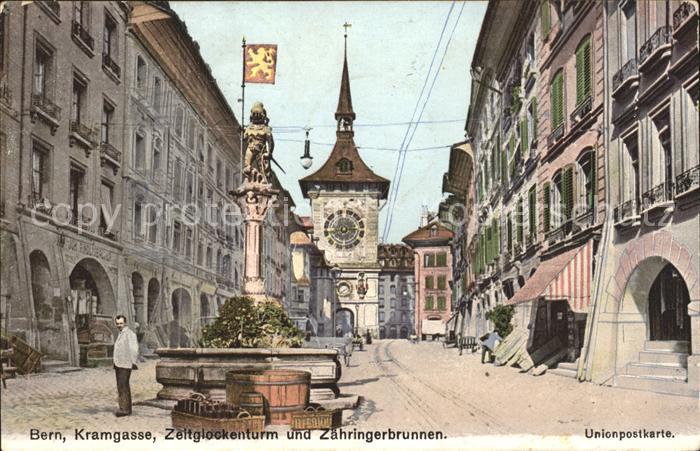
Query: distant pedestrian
{"points": [[488, 344], [126, 353]]}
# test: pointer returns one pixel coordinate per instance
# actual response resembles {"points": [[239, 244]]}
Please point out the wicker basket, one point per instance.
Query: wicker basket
{"points": [[188, 419], [244, 422], [317, 418]]}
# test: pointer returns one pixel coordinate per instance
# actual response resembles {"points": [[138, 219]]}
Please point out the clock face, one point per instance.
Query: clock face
{"points": [[344, 229]]}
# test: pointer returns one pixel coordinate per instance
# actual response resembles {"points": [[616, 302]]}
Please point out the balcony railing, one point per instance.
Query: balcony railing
{"points": [[111, 65], [584, 219], [688, 180], [660, 38], [680, 17], [559, 233], [46, 106], [108, 150], [80, 32], [581, 110], [83, 131], [625, 210], [658, 194], [556, 134], [627, 73]]}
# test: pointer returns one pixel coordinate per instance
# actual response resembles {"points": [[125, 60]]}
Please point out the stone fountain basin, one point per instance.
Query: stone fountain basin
{"points": [[184, 370]]}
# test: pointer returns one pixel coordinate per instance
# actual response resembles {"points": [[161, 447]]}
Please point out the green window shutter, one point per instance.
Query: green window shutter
{"points": [[441, 282], [546, 210], [429, 282], [504, 166], [519, 219], [580, 95], [510, 233], [442, 303], [442, 259], [557, 98], [592, 178], [587, 68], [568, 192], [532, 201], [428, 302], [545, 22], [431, 260], [534, 118], [497, 245], [524, 144]]}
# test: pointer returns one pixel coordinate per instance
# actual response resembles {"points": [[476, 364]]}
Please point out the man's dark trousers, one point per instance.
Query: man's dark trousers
{"points": [[123, 375]]}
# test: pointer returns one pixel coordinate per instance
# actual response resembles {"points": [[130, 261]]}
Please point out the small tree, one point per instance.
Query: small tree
{"points": [[501, 316], [243, 324]]}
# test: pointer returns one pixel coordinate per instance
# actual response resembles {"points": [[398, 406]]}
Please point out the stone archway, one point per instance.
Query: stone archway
{"points": [[93, 289], [345, 322], [137, 293], [153, 296], [181, 325], [48, 311], [204, 313]]}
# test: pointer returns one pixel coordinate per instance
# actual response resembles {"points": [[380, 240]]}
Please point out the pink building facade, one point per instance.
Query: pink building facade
{"points": [[433, 275]]}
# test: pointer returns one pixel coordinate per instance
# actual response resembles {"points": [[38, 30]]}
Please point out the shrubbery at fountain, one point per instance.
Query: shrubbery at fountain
{"points": [[243, 324]]}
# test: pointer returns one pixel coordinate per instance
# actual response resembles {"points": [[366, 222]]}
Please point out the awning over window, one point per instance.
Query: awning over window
{"points": [[564, 277]]}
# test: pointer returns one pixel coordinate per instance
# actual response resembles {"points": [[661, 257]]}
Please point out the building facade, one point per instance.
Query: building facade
{"points": [[396, 291], [645, 328], [183, 158], [431, 244], [116, 181], [345, 196], [62, 143]]}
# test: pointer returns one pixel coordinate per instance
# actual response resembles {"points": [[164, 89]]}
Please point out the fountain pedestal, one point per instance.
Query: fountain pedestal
{"points": [[255, 200]]}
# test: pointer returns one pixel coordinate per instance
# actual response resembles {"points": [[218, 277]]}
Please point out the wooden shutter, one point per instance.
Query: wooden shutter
{"points": [[583, 71], [519, 218], [534, 118], [504, 166], [544, 17], [568, 192], [532, 210], [587, 68], [524, 144], [557, 95], [546, 209], [592, 178]]}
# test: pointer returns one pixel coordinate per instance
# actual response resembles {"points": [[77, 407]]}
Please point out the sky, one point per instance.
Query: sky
{"points": [[406, 60]]}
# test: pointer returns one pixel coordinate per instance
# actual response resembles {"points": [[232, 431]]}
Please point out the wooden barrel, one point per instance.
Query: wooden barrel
{"points": [[285, 391], [253, 402]]}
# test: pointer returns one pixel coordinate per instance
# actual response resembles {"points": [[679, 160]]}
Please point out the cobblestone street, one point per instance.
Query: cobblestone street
{"points": [[400, 389]]}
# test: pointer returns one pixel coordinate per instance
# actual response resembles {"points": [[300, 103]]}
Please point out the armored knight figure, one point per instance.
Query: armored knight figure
{"points": [[258, 146]]}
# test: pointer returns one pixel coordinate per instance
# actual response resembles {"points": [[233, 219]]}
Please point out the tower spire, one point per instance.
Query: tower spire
{"points": [[344, 114]]}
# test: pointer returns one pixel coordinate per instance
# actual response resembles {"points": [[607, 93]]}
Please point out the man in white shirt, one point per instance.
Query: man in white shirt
{"points": [[126, 353]]}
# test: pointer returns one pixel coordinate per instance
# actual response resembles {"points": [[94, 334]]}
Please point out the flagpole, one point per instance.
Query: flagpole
{"points": [[242, 128]]}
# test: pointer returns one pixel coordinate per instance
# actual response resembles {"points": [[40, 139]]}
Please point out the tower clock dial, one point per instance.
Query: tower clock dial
{"points": [[344, 229]]}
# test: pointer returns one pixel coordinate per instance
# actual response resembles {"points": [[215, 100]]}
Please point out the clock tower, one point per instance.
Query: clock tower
{"points": [[345, 196]]}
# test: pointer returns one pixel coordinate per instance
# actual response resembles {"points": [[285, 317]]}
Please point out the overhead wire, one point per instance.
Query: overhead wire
{"points": [[397, 180], [393, 192]]}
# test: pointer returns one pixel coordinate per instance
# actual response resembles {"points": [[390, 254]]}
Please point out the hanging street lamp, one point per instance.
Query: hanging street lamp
{"points": [[307, 159]]}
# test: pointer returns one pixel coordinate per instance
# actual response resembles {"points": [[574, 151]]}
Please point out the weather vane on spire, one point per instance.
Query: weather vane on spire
{"points": [[346, 25]]}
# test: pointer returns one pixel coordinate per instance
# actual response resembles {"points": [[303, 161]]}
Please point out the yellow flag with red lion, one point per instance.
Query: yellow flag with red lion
{"points": [[260, 63]]}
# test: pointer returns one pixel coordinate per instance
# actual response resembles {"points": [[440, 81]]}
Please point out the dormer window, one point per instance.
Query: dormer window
{"points": [[433, 231], [345, 166]]}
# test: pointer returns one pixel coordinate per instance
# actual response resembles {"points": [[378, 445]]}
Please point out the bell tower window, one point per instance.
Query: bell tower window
{"points": [[345, 166]]}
